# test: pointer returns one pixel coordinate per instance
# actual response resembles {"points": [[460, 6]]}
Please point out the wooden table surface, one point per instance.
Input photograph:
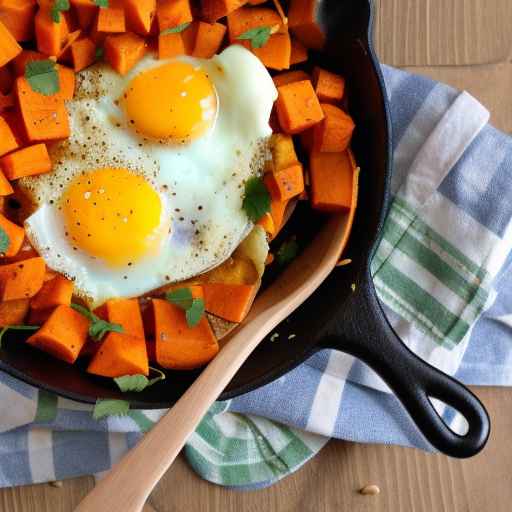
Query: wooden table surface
{"points": [[467, 43]]}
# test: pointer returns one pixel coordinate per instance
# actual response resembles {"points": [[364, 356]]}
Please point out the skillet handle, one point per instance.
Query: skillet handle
{"points": [[364, 332]]}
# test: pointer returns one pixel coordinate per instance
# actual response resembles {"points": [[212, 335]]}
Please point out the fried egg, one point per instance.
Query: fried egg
{"points": [[148, 189]]}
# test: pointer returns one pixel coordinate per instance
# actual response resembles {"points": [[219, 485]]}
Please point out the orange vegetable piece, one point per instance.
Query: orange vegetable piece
{"points": [[21, 280], [229, 301], [16, 236], [111, 19], [71, 38], [9, 47], [55, 292], [26, 56], [18, 17], [44, 117], [277, 210], [139, 15], [298, 107], [214, 9], [208, 39], [6, 79], [331, 177], [285, 183], [120, 354], [13, 312], [275, 54], [26, 162], [171, 13], [122, 52], [333, 134], [66, 82], [289, 77], [302, 15], [267, 223], [283, 151], [329, 87], [179, 346], [49, 35], [7, 140], [5, 187], [85, 11], [299, 52], [127, 313], [63, 335], [170, 45], [82, 53], [247, 18]]}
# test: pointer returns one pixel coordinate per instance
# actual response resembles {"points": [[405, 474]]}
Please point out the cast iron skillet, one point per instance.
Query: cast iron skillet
{"points": [[335, 316]]}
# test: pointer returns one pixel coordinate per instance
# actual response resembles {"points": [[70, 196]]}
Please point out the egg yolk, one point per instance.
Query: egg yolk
{"points": [[175, 101], [113, 215]]}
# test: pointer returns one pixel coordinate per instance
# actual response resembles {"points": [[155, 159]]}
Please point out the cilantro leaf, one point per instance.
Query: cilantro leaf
{"points": [[195, 312], [98, 327], [42, 76], [175, 30], [5, 241], [138, 383], [16, 328], [109, 407], [256, 199], [101, 3], [258, 36], [194, 308], [288, 251], [57, 7], [182, 297]]}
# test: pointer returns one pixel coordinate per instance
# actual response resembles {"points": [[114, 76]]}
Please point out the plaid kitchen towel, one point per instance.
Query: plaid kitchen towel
{"points": [[442, 272]]}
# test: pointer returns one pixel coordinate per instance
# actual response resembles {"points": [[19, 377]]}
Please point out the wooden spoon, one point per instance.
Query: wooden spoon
{"points": [[127, 486]]}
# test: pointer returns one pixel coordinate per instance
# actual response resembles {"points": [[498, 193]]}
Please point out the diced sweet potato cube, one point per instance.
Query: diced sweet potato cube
{"points": [[298, 107], [21, 280], [331, 177], [329, 87], [285, 183], [228, 301], [334, 133], [63, 335], [179, 346], [120, 354]]}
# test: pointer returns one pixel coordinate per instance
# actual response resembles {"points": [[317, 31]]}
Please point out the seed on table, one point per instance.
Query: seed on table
{"points": [[56, 483], [370, 490]]}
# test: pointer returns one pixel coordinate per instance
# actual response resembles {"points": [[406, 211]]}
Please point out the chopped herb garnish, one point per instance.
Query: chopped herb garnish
{"points": [[175, 30], [42, 76], [16, 328], [194, 308], [101, 3], [108, 407], [138, 383], [57, 7], [98, 54], [258, 36], [256, 199], [288, 251], [98, 327], [5, 241]]}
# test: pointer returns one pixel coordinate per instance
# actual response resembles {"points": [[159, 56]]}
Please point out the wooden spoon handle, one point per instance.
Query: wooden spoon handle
{"points": [[127, 486]]}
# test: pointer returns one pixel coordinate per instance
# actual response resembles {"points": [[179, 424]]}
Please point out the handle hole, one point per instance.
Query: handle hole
{"points": [[452, 418]]}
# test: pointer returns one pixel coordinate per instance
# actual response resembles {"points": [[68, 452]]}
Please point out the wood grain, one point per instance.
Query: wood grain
{"points": [[443, 32], [456, 33]]}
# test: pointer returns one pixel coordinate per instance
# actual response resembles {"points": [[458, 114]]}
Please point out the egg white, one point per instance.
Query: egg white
{"points": [[201, 184]]}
